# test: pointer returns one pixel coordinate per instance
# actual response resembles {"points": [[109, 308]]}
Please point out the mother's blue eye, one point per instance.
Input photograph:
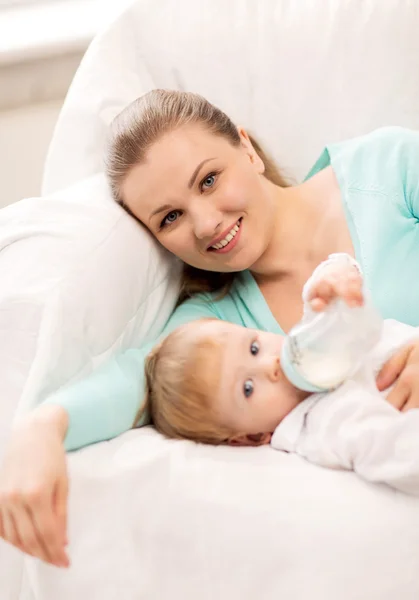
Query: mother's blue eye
{"points": [[248, 388], [209, 181], [170, 218], [254, 348]]}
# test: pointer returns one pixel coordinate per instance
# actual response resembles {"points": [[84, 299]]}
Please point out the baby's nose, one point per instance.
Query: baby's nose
{"points": [[274, 369]]}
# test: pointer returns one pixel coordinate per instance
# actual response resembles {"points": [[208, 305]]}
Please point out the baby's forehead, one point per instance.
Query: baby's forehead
{"points": [[212, 328]]}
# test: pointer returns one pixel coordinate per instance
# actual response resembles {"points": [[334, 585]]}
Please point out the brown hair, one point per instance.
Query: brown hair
{"points": [[145, 121], [181, 379]]}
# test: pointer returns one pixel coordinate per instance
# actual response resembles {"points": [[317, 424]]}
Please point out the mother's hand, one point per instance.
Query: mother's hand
{"points": [[403, 370], [33, 486]]}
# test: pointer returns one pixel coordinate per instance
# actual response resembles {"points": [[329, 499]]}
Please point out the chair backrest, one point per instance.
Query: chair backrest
{"points": [[298, 74]]}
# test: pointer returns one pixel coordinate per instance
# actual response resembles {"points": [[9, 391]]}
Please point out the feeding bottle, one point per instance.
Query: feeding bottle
{"points": [[326, 347]]}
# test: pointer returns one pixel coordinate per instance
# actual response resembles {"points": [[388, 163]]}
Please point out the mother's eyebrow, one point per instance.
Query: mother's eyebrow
{"points": [[160, 209], [195, 173]]}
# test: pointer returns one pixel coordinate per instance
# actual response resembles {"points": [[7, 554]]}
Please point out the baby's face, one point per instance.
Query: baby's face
{"points": [[253, 395]]}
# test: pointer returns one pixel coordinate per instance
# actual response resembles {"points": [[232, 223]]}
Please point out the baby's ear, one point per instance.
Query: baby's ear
{"points": [[250, 439]]}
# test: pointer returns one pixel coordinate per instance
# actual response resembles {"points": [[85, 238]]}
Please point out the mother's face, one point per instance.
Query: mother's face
{"points": [[204, 199]]}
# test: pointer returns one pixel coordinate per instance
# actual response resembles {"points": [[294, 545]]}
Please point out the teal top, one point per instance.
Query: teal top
{"points": [[378, 176]]}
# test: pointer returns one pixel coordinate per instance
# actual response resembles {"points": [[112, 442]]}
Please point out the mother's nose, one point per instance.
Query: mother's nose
{"points": [[206, 221]]}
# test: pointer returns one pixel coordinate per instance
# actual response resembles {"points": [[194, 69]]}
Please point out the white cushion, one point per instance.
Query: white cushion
{"points": [[298, 74], [79, 280]]}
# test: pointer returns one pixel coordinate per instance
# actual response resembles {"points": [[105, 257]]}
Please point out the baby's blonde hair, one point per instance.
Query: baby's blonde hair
{"points": [[182, 377]]}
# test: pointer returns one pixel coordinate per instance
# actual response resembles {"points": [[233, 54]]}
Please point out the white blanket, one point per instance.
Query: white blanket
{"points": [[161, 520]]}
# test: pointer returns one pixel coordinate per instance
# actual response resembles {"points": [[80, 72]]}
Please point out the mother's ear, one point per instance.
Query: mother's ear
{"points": [[250, 439], [247, 144]]}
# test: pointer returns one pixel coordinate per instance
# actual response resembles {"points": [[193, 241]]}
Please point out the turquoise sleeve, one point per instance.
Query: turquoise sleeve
{"points": [[104, 404], [408, 143]]}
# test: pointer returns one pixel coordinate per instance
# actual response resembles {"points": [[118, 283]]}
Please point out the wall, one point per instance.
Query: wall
{"points": [[25, 134], [41, 45]]}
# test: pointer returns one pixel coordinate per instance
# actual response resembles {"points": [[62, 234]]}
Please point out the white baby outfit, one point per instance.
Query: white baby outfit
{"points": [[354, 428]]}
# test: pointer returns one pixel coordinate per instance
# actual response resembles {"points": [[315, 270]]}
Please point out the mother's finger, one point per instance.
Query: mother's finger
{"points": [[392, 368], [49, 530], [10, 531], [399, 395], [412, 401], [31, 543], [60, 500]]}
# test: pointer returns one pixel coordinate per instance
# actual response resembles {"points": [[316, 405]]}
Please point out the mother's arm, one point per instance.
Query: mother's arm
{"points": [[402, 369], [33, 475], [407, 141], [104, 404]]}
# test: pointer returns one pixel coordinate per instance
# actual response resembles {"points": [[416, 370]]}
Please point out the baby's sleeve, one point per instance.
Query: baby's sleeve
{"points": [[105, 403]]}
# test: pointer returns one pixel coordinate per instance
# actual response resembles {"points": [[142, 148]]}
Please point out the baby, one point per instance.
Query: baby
{"points": [[218, 383]]}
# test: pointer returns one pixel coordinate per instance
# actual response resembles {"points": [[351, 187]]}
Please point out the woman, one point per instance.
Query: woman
{"points": [[208, 193]]}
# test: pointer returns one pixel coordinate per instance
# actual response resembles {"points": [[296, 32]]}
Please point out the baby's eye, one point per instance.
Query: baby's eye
{"points": [[208, 182], [254, 348], [248, 388], [170, 218]]}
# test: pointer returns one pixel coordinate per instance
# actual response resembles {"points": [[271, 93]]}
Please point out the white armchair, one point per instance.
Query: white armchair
{"points": [[161, 520]]}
